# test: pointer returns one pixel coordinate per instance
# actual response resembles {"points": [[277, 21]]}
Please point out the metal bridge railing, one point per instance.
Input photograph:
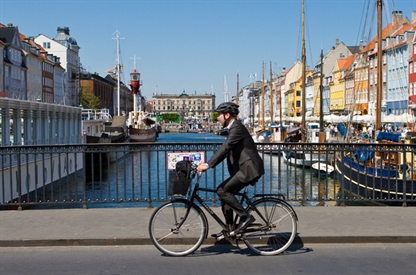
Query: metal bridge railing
{"points": [[136, 175]]}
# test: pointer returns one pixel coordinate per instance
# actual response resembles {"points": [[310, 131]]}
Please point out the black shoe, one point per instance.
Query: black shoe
{"points": [[244, 223]]}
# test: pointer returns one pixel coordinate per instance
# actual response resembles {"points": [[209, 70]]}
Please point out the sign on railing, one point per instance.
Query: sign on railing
{"points": [[173, 157]]}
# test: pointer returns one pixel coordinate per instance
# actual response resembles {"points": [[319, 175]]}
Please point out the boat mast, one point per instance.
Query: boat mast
{"points": [[280, 109], [303, 70], [321, 94], [118, 70], [271, 93], [379, 91], [238, 87], [262, 97]]}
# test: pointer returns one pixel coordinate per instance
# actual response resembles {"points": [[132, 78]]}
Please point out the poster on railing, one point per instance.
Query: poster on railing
{"points": [[174, 157]]}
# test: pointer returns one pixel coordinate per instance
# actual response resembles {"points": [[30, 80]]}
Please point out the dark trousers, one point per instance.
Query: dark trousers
{"points": [[229, 203]]}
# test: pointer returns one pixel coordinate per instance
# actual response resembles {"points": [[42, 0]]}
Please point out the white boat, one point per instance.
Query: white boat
{"points": [[324, 170], [300, 155], [98, 126]]}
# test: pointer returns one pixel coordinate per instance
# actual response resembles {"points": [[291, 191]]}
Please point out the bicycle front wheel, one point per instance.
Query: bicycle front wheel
{"points": [[274, 229], [174, 236]]}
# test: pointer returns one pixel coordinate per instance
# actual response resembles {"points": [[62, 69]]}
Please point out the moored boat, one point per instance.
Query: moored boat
{"points": [[323, 170], [384, 168], [98, 126], [144, 130]]}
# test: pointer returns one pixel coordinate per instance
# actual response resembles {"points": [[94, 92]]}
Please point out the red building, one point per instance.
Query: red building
{"points": [[412, 78]]}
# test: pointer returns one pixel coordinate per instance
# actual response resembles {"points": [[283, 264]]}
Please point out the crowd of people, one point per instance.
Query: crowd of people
{"points": [[368, 130]]}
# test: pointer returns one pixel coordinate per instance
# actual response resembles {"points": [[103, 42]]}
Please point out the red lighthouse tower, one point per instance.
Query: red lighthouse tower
{"points": [[135, 87]]}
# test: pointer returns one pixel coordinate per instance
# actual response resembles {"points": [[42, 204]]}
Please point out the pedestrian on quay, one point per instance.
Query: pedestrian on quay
{"points": [[370, 131], [244, 165], [332, 131]]}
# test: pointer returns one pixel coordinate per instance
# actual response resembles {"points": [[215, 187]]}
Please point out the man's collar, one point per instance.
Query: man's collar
{"points": [[229, 124]]}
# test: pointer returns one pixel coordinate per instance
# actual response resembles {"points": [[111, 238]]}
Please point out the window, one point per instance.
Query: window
{"points": [[47, 45]]}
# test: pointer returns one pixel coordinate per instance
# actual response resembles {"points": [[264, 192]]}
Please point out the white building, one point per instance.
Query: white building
{"points": [[34, 69], [67, 49]]}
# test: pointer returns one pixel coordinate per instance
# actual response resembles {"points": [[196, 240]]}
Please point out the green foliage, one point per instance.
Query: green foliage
{"points": [[171, 117], [214, 116], [89, 100]]}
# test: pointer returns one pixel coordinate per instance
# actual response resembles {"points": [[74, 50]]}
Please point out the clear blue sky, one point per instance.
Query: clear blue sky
{"points": [[190, 45]]}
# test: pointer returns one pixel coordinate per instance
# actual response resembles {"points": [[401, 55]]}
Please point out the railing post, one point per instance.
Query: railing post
{"points": [[404, 204], [149, 183], [84, 180], [342, 184], [19, 179]]}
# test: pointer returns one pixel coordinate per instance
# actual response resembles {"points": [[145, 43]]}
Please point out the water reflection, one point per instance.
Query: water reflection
{"points": [[300, 184], [128, 179]]}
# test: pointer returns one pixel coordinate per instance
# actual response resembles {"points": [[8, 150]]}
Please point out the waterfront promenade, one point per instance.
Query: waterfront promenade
{"points": [[129, 226]]}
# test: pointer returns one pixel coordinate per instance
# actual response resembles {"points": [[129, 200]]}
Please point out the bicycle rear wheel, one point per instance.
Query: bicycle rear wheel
{"points": [[276, 233], [171, 239]]}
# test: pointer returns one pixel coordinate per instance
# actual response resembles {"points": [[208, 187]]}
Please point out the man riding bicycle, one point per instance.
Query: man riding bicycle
{"points": [[244, 165]]}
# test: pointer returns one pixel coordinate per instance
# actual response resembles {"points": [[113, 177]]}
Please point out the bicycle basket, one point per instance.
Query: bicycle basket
{"points": [[178, 183]]}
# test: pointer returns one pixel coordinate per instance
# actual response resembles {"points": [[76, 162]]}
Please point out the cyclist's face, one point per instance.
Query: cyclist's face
{"points": [[221, 118]]}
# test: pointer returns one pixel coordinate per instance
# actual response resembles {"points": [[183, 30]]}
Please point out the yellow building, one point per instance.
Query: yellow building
{"points": [[337, 88]]}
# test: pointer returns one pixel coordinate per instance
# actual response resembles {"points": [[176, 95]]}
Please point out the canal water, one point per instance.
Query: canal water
{"points": [[126, 180], [300, 185]]}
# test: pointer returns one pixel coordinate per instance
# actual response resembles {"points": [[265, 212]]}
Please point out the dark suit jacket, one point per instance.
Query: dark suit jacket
{"points": [[243, 159]]}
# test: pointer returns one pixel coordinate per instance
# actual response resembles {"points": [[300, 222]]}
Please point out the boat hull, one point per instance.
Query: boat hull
{"points": [[374, 183], [323, 170], [302, 159], [143, 135]]}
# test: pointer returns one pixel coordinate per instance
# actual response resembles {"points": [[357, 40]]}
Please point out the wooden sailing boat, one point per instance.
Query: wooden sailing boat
{"points": [[385, 170]]}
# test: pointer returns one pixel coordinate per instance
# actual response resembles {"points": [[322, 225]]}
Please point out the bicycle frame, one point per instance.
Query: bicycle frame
{"points": [[244, 198]]}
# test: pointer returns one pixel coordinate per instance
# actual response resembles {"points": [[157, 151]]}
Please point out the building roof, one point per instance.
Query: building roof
{"points": [[63, 37], [7, 34]]}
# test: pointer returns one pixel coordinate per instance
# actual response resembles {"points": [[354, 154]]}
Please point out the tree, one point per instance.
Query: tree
{"points": [[214, 116], [171, 117], [88, 99]]}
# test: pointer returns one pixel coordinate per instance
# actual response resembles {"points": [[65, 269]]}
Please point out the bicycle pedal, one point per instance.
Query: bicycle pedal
{"points": [[219, 238]]}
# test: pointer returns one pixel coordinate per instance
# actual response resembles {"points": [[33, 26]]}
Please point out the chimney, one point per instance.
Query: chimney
{"points": [[413, 16], [396, 16], [336, 42]]}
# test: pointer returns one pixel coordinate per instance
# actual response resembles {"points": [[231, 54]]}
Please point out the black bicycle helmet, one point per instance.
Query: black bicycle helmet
{"points": [[228, 107]]}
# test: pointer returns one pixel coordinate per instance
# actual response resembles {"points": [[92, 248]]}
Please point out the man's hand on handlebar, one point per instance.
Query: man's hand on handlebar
{"points": [[203, 166]]}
